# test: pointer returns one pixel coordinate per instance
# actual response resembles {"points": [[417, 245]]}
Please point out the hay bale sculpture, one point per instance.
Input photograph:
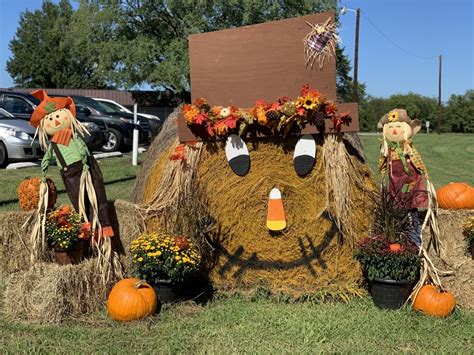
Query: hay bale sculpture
{"points": [[273, 190]]}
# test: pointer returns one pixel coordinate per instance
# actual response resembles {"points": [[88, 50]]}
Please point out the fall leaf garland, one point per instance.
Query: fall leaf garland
{"points": [[280, 117]]}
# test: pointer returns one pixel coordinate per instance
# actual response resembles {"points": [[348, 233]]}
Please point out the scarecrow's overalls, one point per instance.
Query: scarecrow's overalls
{"points": [[405, 169]]}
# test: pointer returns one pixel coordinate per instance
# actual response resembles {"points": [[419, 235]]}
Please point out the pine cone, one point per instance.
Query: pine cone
{"points": [[205, 107], [273, 116], [318, 118], [288, 108]]}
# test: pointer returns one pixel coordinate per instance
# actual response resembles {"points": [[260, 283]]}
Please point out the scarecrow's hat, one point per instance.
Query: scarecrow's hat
{"points": [[396, 115], [48, 105]]}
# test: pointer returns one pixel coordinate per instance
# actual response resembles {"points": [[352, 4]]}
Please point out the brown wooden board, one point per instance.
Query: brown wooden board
{"points": [[236, 67], [186, 135]]}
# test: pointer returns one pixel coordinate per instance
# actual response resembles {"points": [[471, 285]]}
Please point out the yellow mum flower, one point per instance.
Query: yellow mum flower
{"points": [[140, 259]]}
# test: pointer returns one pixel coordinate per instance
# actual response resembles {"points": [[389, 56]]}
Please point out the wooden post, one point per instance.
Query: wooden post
{"points": [[356, 57], [438, 126]]}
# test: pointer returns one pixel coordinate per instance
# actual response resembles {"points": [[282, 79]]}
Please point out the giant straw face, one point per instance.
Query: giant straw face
{"points": [[308, 253]]}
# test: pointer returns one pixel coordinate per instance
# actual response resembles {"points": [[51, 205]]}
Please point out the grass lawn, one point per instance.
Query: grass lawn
{"points": [[262, 326]]}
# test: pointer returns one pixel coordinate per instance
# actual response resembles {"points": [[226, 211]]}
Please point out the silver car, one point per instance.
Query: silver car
{"points": [[16, 140]]}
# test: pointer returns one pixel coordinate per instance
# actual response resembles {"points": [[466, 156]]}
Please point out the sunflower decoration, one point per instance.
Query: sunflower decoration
{"points": [[320, 43], [393, 116]]}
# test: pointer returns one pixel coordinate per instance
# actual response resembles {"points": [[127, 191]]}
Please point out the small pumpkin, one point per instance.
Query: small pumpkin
{"points": [[181, 242], [433, 301], [456, 195], [131, 299], [28, 193], [395, 247]]}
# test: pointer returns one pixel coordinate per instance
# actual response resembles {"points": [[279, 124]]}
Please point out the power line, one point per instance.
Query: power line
{"points": [[395, 43]]}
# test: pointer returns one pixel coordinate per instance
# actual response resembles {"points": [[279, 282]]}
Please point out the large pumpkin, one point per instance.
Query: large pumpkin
{"points": [[28, 193], [131, 299], [456, 195], [434, 302]]}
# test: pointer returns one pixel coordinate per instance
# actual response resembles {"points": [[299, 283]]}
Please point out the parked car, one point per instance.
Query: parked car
{"points": [[21, 105], [120, 126], [155, 122], [16, 140]]}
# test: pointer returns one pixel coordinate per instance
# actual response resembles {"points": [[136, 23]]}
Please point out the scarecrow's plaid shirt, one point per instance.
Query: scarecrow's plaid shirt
{"points": [[410, 153]]}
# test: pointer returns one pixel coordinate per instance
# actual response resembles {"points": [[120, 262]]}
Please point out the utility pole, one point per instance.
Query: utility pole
{"points": [[356, 57], [438, 126]]}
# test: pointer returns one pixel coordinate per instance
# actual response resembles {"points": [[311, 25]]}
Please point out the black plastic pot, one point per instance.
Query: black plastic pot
{"points": [[390, 294], [199, 290], [166, 292]]}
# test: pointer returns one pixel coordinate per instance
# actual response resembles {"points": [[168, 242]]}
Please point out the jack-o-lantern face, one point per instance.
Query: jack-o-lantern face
{"points": [[57, 121], [397, 131]]}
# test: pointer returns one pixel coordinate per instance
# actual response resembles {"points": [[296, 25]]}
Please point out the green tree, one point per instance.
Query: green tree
{"points": [[417, 106], [134, 42], [459, 112], [38, 59], [158, 31], [59, 47]]}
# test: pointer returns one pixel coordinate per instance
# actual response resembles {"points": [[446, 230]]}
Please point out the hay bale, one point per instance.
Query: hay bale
{"points": [[308, 256], [50, 293], [128, 225], [164, 139], [14, 242], [454, 256]]}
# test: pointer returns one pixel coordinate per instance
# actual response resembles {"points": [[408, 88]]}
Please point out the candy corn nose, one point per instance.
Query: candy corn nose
{"points": [[56, 123], [276, 220], [394, 131]]}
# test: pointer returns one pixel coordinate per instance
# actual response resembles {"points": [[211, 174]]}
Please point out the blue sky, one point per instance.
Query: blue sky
{"points": [[423, 28]]}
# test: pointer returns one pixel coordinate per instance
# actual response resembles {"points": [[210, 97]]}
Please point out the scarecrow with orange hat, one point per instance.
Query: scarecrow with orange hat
{"points": [[55, 121]]}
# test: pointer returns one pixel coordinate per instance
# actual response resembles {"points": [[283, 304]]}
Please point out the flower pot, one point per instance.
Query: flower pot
{"points": [[167, 292], [198, 289], [66, 257], [390, 294]]}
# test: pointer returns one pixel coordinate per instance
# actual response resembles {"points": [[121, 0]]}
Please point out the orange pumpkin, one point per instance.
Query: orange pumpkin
{"points": [[434, 302], [456, 195], [395, 247], [131, 299], [28, 193], [181, 242]]}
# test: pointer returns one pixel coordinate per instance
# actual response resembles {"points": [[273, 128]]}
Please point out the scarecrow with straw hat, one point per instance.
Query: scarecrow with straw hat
{"points": [[401, 162], [55, 120]]}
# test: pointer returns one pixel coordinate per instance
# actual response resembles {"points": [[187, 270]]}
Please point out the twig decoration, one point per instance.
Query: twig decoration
{"points": [[320, 43]]}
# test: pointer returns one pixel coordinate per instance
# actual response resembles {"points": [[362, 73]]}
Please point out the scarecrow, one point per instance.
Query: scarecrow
{"points": [[402, 163], [55, 120]]}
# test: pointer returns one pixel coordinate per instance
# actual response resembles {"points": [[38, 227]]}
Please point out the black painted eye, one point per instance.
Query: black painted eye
{"points": [[50, 118], [57, 116]]}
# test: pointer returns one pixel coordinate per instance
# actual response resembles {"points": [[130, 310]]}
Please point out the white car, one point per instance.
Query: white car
{"points": [[16, 140], [116, 106], [155, 121]]}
